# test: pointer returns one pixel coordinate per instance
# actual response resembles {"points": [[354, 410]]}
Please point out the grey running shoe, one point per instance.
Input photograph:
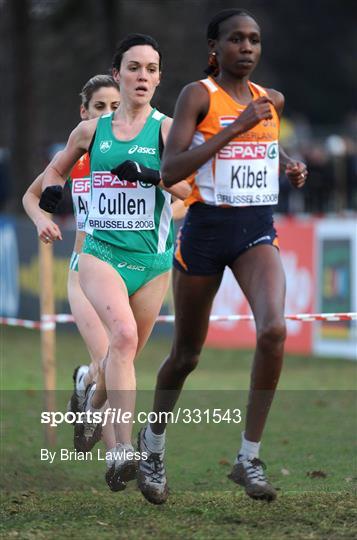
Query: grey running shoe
{"points": [[86, 434], [76, 402], [122, 468], [249, 473], [151, 474]]}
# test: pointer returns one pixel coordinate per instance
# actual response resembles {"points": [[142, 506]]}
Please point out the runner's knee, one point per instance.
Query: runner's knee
{"points": [[184, 359], [124, 338], [272, 334]]}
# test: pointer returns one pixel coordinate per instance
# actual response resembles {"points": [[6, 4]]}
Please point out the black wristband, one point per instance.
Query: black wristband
{"points": [[51, 198]]}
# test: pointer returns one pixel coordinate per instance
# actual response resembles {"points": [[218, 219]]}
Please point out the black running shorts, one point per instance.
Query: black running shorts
{"points": [[212, 237]]}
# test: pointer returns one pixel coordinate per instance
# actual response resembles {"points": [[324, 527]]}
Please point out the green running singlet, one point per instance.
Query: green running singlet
{"points": [[129, 225]]}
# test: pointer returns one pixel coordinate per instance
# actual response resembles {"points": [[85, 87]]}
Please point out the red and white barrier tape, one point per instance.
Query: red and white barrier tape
{"points": [[304, 317], [49, 321]]}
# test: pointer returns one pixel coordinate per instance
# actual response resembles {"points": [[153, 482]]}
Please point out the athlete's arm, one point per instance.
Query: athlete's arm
{"points": [[133, 171], [60, 167], [182, 189], [78, 143], [46, 229], [178, 210], [192, 106], [296, 171]]}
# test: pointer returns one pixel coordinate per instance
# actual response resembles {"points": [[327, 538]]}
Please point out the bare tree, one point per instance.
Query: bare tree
{"points": [[22, 97]]}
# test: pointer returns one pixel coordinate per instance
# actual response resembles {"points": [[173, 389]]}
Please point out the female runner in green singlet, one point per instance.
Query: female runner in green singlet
{"points": [[127, 255]]}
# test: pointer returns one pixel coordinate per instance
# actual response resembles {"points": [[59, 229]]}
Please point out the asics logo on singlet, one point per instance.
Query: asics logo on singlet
{"points": [[104, 146], [142, 150]]}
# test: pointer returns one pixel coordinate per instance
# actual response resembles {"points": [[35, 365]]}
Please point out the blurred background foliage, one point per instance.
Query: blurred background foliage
{"points": [[50, 48]]}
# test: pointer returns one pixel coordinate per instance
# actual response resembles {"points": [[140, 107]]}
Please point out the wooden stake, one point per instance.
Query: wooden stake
{"points": [[48, 334]]}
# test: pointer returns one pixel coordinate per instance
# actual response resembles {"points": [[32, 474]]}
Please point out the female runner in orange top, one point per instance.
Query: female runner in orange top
{"points": [[226, 130]]}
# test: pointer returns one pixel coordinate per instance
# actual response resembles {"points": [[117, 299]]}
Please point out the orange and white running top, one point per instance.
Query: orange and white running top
{"points": [[245, 172], [80, 188]]}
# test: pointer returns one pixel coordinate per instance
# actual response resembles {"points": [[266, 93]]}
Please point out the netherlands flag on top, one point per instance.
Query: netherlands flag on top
{"points": [[224, 121]]}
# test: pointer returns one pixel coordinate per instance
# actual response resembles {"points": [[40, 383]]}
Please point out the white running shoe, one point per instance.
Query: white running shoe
{"points": [[87, 434], [249, 473], [152, 480], [122, 467], [77, 399]]}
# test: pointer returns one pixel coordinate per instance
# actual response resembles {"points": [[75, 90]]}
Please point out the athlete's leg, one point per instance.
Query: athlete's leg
{"points": [[193, 301], [260, 275], [89, 324], [107, 293], [193, 296], [146, 304], [95, 337]]}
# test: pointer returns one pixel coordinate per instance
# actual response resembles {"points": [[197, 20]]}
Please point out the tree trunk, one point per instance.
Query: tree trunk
{"points": [[21, 140]]}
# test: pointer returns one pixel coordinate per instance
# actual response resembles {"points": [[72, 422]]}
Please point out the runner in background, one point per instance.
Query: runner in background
{"points": [[100, 95]]}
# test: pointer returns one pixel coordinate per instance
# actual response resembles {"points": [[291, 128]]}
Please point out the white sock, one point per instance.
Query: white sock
{"points": [[249, 449], [81, 373], [155, 443]]}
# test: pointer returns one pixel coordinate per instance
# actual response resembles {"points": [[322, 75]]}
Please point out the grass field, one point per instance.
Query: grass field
{"points": [[309, 447]]}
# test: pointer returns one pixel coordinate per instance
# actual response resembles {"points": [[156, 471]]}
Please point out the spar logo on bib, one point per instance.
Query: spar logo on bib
{"points": [[241, 150], [106, 180], [81, 185], [104, 146], [273, 151]]}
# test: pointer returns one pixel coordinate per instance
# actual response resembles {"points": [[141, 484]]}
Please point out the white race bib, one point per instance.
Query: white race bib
{"points": [[119, 204], [81, 200], [247, 173]]}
